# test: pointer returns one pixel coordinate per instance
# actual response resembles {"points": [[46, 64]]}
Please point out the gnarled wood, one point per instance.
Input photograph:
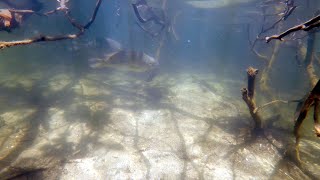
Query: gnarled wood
{"points": [[248, 97]]}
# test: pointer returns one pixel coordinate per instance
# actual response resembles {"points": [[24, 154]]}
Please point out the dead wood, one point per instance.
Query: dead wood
{"points": [[44, 38], [248, 97], [312, 99], [306, 26]]}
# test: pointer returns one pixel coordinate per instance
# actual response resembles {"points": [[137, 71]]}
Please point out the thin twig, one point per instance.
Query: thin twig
{"points": [[268, 104]]}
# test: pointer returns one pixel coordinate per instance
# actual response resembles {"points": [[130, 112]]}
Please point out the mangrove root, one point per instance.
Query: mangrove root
{"points": [[312, 99]]}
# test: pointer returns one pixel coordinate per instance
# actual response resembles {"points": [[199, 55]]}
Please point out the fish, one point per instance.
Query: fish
{"points": [[136, 61], [124, 59]]}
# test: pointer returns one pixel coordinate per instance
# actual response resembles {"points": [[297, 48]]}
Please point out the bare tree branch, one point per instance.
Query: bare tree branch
{"points": [[306, 26], [42, 38]]}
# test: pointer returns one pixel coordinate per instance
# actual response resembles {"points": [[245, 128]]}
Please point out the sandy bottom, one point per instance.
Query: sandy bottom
{"points": [[116, 126]]}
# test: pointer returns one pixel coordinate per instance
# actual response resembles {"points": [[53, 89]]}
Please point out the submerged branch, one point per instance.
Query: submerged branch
{"points": [[252, 46], [312, 99], [306, 26], [289, 10], [93, 17], [43, 38]]}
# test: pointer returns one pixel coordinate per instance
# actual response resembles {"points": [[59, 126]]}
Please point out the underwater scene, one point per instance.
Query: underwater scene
{"points": [[159, 89]]}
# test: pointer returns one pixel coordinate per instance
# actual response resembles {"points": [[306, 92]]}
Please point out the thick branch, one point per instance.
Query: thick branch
{"points": [[306, 26], [251, 72], [303, 111], [248, 97], [37, 39]]}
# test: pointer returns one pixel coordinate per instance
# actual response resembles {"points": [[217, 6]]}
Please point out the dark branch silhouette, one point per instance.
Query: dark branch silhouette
{"points": [[146, 14], [42, 38]]}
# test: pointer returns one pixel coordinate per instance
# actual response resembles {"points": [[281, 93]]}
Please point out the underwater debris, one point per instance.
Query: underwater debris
{"points": [[306, 26], [290, 7], [154, 20], [81, 29], [146, 14], [311, 98], [248, 97], [303, 107]]}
